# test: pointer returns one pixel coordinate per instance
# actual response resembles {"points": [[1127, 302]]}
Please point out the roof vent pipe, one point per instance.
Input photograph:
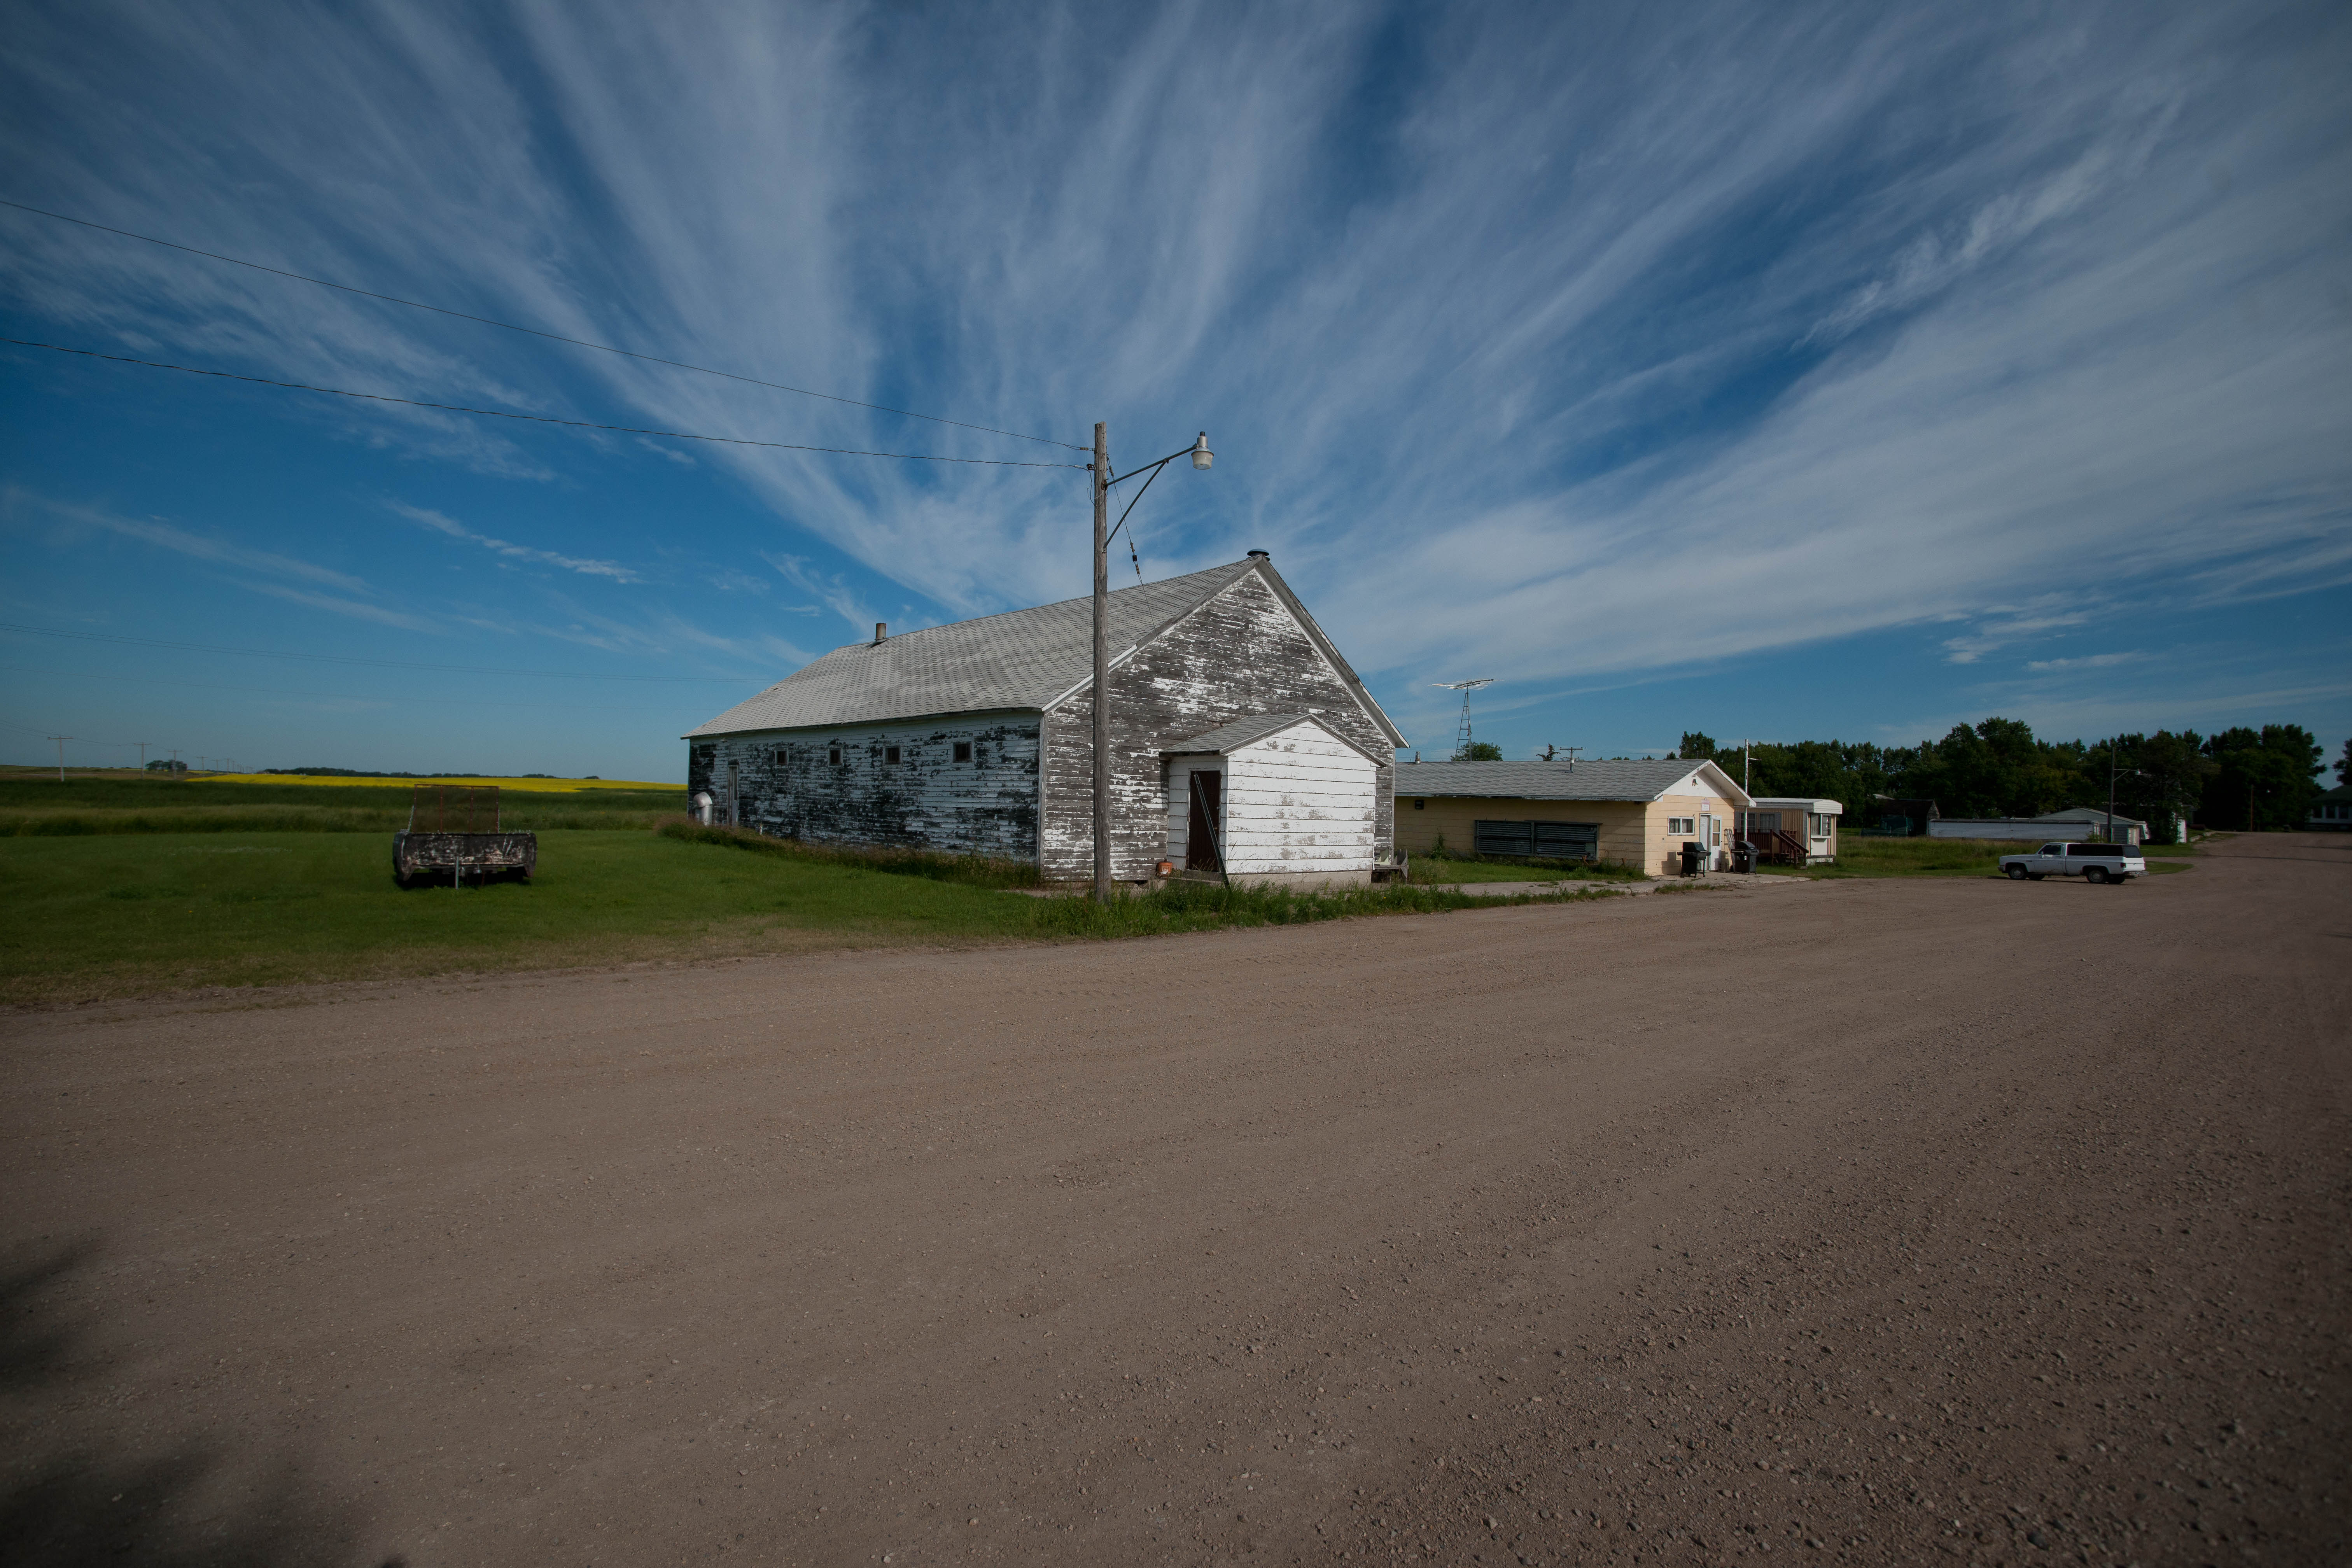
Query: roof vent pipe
{"points": [[881, 632], [1260, 555]]}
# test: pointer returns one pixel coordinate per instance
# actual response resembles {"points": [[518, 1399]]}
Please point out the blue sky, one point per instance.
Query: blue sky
{"points": [[1782, 372]]}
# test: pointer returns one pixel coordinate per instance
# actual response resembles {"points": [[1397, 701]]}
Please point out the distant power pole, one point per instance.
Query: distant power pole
{"points": [[61, 741], [142, 746]]}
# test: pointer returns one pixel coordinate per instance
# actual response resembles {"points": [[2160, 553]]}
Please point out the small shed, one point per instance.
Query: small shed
{"points": [[1798, 829], [1891, 816], [1276, 798]]}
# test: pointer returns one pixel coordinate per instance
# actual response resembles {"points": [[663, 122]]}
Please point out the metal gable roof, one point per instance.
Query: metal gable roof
{"points": [[1022, 659], [1240, 733], [1638, 779]]}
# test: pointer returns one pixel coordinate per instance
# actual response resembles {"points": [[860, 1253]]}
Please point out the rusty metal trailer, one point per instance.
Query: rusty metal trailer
{"points": [[453, 834]]}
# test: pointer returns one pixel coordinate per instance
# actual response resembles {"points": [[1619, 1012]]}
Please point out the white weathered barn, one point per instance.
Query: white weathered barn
{"points": [[1241, 741]]}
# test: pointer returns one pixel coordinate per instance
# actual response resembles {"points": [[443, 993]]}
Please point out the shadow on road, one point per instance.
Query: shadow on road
{"points": [[179, 1502]]}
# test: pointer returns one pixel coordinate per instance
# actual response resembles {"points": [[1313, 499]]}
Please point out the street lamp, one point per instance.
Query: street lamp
{"points": [[1100, 469]]}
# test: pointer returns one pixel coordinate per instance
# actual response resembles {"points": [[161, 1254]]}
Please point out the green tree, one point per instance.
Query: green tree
{"points": [[1479, 751], [2264, 779], [1698, 746], [2160, 778], [2343, 765]]}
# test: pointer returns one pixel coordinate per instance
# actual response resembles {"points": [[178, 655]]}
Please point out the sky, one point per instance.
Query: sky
{"points": [[1780, 373]]}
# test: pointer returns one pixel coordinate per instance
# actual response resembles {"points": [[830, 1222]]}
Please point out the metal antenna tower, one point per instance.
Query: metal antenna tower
{"points": [[1462, 738]]}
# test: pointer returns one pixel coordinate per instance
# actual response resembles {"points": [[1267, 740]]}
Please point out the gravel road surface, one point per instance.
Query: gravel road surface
{"points": [[1852, 1222]]}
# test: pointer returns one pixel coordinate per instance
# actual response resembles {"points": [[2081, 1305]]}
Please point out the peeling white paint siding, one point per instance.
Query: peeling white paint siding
{"points": [[1300, 801], [1240, 653], [787, 785]]}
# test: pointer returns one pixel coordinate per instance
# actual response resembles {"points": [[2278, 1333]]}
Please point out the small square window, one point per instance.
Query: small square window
{"points": [[783, 756], [1421, 806], [890, 755], [964, 751], [832, 755]]}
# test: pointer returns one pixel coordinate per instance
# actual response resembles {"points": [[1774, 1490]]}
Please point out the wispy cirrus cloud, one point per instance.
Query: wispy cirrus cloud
{"points": [[1557, 344], [440, 522]]}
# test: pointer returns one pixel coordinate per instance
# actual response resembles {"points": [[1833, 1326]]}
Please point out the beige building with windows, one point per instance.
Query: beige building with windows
{"points": [[1637, 814]]}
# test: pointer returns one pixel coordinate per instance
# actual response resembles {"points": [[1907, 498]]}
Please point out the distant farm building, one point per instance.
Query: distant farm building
{"points": [[1637, 812], [2081, 822], [1242, 743]]}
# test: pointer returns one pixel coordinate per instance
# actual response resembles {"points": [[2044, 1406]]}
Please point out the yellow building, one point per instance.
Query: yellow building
{"points": [[1638, 813]]}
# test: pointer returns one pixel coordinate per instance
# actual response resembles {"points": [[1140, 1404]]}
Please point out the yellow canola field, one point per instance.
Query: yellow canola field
{"points": [[561, 785]]}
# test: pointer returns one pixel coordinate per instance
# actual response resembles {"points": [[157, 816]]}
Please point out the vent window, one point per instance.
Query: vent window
{"points": [[890, 755], [964, 751], [783, 756], [832, 755]]}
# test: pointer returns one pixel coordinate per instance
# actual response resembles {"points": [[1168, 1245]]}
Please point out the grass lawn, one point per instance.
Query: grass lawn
{"points": [[1859, 857], [93, 915]]}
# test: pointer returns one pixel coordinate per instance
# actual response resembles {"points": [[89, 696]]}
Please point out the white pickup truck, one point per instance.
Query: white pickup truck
{"points": [[2092, 862]]}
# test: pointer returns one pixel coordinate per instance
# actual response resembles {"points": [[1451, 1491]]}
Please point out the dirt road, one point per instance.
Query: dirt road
{"points": [[1857, 1221]]}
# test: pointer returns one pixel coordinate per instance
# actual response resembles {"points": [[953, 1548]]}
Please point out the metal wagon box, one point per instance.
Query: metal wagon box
{"points": [[453, 832]]}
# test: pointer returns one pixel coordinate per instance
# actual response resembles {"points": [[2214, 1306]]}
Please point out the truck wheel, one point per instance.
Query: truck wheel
{"points": [[2095, 874], [2017, 873]]}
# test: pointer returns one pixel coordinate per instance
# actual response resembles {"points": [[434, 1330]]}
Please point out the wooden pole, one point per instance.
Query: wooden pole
{"points": [[1102, 665]]}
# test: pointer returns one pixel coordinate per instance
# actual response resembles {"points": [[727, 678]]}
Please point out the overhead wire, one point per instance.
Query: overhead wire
{"points": [[535, 331], [532, 418]]}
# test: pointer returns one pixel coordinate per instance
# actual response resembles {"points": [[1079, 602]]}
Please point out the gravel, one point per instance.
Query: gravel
{"points": [[1858, 1222]]}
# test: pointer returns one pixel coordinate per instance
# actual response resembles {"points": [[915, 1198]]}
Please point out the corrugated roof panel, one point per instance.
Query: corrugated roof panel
{"points": [[1021, 659]]}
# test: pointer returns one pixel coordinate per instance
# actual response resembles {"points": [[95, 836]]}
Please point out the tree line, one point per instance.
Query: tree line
{"points": [[2241, 778]]}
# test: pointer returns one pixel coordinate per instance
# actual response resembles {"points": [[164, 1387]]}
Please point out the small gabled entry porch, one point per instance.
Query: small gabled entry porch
{"points": [[1277, 799]]}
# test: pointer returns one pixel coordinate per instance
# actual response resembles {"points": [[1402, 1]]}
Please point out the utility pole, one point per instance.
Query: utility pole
{"points": [[142, 746], [1102, 664], [61, 741], [2111, 791]]}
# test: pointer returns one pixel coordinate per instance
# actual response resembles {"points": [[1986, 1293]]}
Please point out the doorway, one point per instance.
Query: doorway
{"points": [[734, 783], [1204, 829]]}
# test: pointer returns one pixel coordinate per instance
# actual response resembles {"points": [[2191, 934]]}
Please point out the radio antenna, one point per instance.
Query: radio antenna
{"points": [[1462, 737]]}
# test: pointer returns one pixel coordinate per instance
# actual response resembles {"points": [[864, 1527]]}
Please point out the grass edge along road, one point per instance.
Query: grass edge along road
{"points": [[1861, 857], [87, 918]]}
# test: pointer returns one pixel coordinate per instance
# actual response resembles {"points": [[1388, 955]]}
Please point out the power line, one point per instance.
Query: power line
{"points": [[534, 331], [532, 418], [342, 659]]}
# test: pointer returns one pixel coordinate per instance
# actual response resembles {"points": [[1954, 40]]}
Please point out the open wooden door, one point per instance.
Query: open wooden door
{"points": [[1204, 833]]}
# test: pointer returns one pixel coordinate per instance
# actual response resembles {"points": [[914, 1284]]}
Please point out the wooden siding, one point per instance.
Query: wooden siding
{"points": [[927, 799], [1299, 803], [1241, 654]]}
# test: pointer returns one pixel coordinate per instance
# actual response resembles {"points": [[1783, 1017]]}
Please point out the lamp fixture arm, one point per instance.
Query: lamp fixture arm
{"points": [[1154, 467], [1136, 497]]}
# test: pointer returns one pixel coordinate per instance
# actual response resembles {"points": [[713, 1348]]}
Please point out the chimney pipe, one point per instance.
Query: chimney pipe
{"points": [[881, 632]]}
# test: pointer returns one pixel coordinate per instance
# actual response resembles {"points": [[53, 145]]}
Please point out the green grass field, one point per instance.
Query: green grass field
{"points": [[95, 915], [37, 805], [1860, 857]]}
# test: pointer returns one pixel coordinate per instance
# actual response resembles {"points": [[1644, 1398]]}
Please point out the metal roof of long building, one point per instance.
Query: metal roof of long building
{"points": [[1022, 659], [1637, 779]]}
